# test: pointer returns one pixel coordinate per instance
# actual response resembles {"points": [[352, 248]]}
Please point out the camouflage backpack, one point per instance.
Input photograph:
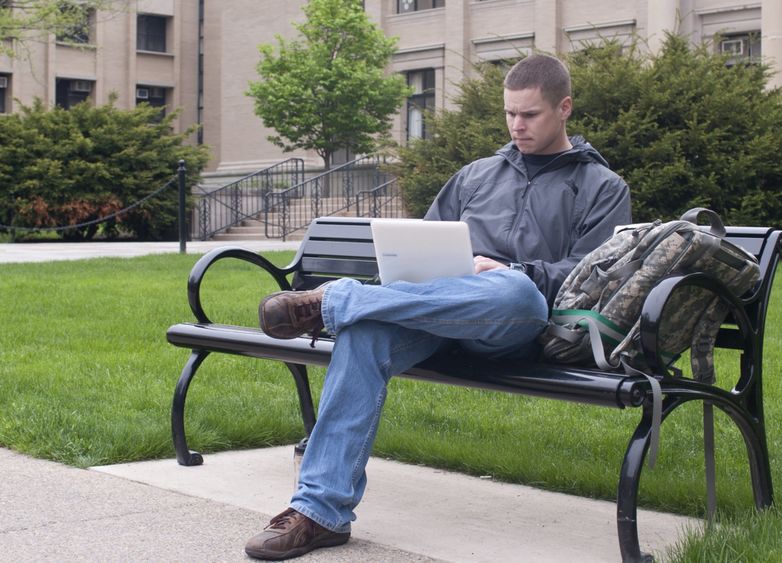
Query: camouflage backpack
{"points": [[596, 314]]}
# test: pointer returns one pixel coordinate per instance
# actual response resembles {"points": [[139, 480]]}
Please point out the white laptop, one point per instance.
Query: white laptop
{"points": [[416, 251]]}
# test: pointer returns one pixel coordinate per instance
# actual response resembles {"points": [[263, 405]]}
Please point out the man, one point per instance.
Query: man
{"points": [[534, 210]]}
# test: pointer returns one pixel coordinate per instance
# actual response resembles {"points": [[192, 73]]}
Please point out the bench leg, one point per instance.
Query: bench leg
{"points": [[184, 456], [299, 373], [627, 496], [752, 429], [754, 432]]}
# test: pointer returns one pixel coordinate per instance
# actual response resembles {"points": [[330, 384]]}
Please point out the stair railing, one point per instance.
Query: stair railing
{"points": [[218, 210], [383, 201], [329, 193]]}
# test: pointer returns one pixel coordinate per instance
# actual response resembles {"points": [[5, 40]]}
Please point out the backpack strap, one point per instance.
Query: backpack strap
{"points": [[599, 278], [704, 336], [598, 326], [715, 221], [708, 453], [657, 411]]}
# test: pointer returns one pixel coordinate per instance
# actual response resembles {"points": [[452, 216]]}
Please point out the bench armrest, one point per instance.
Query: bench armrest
{"points": [[206, 261], [651, 317]]}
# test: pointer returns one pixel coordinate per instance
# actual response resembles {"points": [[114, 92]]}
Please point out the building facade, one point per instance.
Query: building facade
{"points": [[200, 55], [146, 51]]}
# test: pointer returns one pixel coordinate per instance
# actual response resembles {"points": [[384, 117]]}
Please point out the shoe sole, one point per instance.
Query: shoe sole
{"points": [[330, 541]]}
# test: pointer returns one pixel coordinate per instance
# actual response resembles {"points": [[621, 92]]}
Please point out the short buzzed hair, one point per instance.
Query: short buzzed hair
{"points": [[540, 71]]}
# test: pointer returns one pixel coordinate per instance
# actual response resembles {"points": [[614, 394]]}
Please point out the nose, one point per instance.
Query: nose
{"points": [[518, 123]]}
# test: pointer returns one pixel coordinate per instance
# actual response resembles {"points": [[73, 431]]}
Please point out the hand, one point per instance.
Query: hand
{"points": [[483, 264]]}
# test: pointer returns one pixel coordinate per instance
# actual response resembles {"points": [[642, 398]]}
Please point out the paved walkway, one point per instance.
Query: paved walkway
{"points": [[159, 511], [48, 251]]}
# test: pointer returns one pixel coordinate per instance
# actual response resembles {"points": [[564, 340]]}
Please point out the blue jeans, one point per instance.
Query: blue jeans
{"points": [[382, 331]]}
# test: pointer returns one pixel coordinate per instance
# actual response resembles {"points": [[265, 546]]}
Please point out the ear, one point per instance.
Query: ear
{"points": [[566, 107]]}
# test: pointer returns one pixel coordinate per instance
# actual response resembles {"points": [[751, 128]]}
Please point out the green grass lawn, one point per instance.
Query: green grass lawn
{"points": [[87, 377]]}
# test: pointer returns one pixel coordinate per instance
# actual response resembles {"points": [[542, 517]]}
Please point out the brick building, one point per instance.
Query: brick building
{"points": [[200, 54]]}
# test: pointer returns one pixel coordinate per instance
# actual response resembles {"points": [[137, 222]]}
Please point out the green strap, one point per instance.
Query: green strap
{"points": [[609, 331]]}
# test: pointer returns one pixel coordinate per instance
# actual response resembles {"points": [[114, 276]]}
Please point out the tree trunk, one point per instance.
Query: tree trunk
{"points": [[325, 188]]}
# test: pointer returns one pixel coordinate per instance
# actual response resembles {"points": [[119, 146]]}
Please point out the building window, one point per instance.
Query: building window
{"points": [[154, 96], [740, 47], [422, 99], [5, 87], [77, 24], [151, 33], [71, 92], [406, 6]]}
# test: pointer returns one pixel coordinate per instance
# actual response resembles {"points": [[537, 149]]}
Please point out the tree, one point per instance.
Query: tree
{"points": [[22, 20], [328, 90], [64, 167], [682, 127]]}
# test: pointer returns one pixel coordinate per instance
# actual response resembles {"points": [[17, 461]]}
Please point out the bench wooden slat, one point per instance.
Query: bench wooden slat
{"points": [[339, 266], [753, 245], [356, 229], [340, 248]]}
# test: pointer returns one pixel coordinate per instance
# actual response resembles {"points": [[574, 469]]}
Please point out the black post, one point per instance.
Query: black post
{"points": [[182, 225]]}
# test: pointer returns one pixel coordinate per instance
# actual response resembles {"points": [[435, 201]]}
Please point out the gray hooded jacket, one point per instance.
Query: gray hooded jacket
{"points": [[548, 221]]}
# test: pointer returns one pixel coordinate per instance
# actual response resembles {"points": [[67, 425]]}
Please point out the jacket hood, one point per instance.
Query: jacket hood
{"points": [[581, 150]]}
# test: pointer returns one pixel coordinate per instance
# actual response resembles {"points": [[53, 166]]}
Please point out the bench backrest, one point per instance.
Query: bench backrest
{"points": [[342, 246], [335, 247], [766, 245]]}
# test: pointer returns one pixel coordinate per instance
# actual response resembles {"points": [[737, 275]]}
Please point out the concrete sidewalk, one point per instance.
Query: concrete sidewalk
{"points": [[159, 511], [51, 512], [49, 251]]}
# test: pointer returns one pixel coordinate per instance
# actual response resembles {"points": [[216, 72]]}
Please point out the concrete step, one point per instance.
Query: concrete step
{"points": [[255, 229], [243, 235]]}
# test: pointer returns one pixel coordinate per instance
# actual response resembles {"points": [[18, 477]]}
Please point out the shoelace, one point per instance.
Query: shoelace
{"points": [[315, 334], [305, 312], [282, 520]]}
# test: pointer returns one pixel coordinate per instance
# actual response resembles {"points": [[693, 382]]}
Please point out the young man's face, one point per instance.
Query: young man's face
{"points": [[534, 125]]}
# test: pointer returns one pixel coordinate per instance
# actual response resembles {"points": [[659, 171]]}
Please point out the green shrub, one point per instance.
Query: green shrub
{"points": [[682, 127], [64, 167]]}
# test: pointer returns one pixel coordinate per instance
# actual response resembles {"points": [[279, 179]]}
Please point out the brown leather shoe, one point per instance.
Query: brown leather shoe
{"points": [[288, 314], [291, 534]]}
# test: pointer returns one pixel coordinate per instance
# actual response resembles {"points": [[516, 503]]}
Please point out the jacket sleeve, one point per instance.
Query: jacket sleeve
{"points": [[611, 207], [447, 205]]}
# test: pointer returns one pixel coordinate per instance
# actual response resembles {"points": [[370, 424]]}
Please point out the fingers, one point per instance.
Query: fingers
{"points": [[483, 264]]}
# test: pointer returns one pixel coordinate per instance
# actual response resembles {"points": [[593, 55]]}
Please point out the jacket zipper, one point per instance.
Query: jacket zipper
{"points": [[525, 191]]}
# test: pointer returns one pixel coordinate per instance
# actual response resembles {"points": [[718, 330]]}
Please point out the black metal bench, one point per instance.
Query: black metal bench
{"points": [[336, 247]]}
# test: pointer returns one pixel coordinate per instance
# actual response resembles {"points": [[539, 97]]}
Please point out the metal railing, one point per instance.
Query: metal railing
{"points": [[334, 192], [382, 201], [218, 210]]}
